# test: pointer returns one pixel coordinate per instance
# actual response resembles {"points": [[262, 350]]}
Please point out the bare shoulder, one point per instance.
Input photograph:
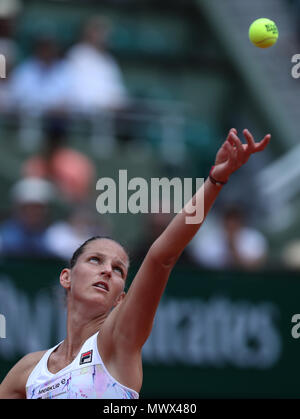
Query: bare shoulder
{"points": [[13, 385]]}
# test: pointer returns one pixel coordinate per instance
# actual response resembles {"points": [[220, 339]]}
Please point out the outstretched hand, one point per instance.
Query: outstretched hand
{"points": [[233, 153]]}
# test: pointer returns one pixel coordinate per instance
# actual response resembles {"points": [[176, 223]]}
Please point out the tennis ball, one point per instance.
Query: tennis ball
{"points": [[263, 33]]}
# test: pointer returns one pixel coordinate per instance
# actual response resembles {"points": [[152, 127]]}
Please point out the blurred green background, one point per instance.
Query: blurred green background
{"points": [[190, 67]]}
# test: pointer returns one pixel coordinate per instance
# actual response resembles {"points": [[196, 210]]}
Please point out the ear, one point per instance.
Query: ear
{"points": [[65, 278], [119, 299]]}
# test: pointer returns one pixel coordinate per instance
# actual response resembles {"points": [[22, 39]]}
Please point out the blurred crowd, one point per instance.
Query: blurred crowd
{"points": [[52, 86], [48, 87], [86, 78]]}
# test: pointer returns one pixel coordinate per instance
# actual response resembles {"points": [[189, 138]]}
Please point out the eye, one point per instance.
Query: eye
{"points": [[117, 268], [94, 259]]}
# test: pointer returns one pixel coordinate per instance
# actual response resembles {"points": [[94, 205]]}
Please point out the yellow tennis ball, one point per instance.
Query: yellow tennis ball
{"points": [[263, 33]]}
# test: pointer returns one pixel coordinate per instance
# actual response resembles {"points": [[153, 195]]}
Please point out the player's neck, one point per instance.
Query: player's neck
{"points": [[79, 329]]}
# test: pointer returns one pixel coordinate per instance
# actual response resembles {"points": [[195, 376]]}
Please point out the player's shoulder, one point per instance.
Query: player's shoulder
{"points": [[30, 360], [26, 364], [13, 385]]}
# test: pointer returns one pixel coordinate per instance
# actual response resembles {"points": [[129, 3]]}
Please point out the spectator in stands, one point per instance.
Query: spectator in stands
{"points": [[24, 233], [41, 82], [70, 170], [98, 90], [9, 11], [290, 255], [155, 225], [97, 82], [63, 237], [230, 244], [5, 92]]}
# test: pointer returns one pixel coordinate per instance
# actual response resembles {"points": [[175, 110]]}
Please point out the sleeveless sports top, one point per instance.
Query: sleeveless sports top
{"points": [[85, 378]]}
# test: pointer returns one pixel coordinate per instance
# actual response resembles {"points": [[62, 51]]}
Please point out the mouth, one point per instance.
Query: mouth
{"points": [[101, 285]]}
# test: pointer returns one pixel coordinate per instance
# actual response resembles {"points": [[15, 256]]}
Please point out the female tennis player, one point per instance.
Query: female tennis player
{"points": [[106, 328]]}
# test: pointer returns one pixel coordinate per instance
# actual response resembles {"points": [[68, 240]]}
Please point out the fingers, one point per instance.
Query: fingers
{"points": [[250, 140], [232, 131], [231, 161], [231, 151], [240, 152], [263, 143], [227, 146], [254, 147], [234, 154]]}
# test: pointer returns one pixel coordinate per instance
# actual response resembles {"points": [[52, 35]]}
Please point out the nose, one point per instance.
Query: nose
{"points": [[106, 270]]}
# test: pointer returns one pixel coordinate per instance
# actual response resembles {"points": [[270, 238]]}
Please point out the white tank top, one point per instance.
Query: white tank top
{"points": [[85, 378]]}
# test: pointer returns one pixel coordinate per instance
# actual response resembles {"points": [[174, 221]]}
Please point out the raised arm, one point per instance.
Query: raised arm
{"points": [[232, 155], [134, 317]]}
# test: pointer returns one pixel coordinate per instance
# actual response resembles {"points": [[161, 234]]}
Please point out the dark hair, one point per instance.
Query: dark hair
{"points": [[81, 248]]}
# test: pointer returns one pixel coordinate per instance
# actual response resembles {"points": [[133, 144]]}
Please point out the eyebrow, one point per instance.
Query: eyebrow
{"points": [[103, 255]]}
